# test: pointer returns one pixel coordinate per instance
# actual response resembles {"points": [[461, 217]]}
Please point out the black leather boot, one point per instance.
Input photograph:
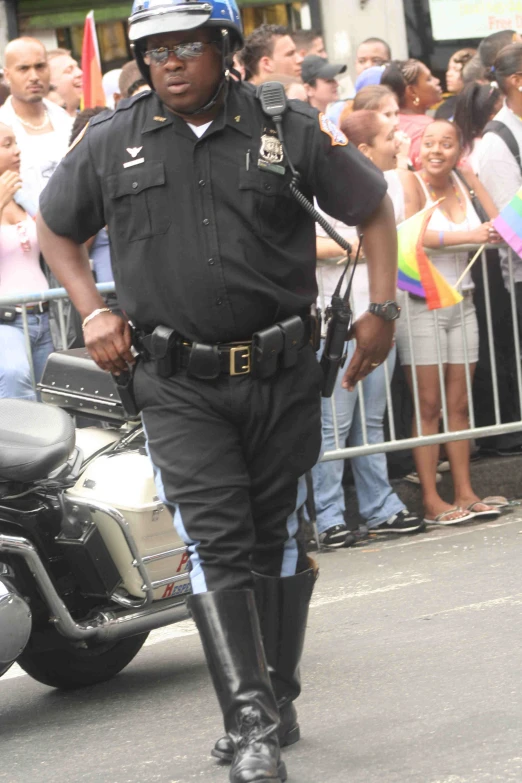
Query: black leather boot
{"points": [[283, 613], [228, 624]]}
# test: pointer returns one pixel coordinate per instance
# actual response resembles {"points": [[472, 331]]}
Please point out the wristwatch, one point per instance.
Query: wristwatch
{"points": [[388, 310]]}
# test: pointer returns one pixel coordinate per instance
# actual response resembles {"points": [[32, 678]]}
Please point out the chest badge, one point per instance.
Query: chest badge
{"points": [[133, 151], [271, 150], [271, 155]]}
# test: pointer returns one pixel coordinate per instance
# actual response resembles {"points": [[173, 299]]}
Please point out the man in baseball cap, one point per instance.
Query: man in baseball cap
{"points": [[319, 80]]}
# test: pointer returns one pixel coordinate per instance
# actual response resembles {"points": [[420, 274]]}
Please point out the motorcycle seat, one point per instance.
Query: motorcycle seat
{"points": [[35, 439]]}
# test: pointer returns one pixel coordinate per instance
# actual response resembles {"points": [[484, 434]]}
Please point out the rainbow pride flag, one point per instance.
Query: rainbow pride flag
{"points": [[417, 274], [509, 223], [93, 94]]}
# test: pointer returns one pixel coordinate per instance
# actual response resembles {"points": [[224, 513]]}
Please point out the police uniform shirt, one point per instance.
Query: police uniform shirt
{"points": [[203, 238]]}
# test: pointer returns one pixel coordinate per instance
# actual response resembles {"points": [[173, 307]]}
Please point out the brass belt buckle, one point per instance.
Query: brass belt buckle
{"points": [[241, 352]]}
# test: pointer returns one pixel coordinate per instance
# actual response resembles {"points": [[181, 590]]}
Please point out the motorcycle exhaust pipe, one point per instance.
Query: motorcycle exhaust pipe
{"points": [[106, 627], [15, 625]]}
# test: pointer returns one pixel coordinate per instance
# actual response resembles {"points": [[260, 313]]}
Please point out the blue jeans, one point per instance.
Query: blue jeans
{"points": [[377, 501], [15, 373]]}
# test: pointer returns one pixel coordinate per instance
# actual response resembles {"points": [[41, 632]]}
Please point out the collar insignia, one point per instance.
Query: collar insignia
{"points": [[160, 119]]}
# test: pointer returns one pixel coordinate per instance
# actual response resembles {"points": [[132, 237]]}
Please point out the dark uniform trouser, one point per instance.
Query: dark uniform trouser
{"points": [[230, 457]]}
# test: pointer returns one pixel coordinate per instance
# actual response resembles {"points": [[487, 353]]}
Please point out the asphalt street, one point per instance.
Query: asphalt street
{"points": [[412, 674]]}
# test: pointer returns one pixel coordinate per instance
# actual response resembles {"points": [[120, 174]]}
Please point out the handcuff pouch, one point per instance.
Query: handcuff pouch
{"points": [[267, 345], [204, 362], [293, 330], [164, 351]]}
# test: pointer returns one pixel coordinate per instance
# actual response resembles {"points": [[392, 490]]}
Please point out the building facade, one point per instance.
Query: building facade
{"points": [[60, 22], [427, 29]]}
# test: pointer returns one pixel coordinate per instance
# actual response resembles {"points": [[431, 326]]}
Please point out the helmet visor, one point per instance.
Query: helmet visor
{"points": [[168, 19]]}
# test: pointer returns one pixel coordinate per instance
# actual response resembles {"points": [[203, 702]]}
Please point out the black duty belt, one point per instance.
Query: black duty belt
{"points": [[233, 359], [269, 350]]}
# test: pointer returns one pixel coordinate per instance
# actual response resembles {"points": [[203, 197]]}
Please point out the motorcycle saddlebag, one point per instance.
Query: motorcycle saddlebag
{"points": [[73, 381]]}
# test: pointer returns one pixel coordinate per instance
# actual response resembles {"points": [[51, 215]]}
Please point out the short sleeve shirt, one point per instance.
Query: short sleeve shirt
{"points": [[40, 154], [204, 237]]}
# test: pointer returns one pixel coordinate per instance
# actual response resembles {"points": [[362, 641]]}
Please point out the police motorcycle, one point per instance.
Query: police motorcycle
{"points": [[90, 561]]}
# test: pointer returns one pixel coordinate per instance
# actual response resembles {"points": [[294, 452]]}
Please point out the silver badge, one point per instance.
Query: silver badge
{"points": [[271, 149]]}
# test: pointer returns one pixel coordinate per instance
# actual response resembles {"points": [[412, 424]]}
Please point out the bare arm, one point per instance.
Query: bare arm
{"points": [[107, 337], [414, 199], [373, 334], [483, 234], [328, 248]]}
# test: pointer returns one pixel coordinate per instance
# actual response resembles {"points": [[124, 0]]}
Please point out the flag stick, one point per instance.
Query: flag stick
{"points": [[465, 272]]}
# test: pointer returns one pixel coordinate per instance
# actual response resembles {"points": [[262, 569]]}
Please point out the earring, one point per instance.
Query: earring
{"points": [[520, 89], [416, 101]]}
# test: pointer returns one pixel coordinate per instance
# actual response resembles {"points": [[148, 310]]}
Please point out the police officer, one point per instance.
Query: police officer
{"points": [[214, 264]]}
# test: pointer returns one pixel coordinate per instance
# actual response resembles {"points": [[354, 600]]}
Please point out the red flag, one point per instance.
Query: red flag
{"points": [[93, 94]]}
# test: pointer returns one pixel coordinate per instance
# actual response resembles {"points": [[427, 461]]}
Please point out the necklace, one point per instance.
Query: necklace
{"points": [[434, 196], [30, 124], [23, 237]]}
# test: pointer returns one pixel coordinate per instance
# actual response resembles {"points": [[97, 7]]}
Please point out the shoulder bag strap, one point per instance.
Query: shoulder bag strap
{"points": [[476, 202], [507, 136]]}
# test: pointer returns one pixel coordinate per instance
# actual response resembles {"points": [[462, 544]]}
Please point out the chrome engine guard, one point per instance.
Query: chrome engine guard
{"points": [[108, 625]]}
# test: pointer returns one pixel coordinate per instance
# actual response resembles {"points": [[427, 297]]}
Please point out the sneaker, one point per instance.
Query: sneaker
{"points": [[362, 533], [443, 466], [403, 522], [413, 477], [335, 536]]}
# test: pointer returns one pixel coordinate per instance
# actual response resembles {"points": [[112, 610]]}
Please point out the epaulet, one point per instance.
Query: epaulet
{"points": [[300, 107], [101, 117], [128, 103], [123, 105]]}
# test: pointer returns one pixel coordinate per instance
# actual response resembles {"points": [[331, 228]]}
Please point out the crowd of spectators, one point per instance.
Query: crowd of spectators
{"points": [[433, 147]]}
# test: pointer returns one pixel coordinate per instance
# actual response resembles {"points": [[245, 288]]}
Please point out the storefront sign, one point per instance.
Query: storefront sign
{"points": [[453, 19]]}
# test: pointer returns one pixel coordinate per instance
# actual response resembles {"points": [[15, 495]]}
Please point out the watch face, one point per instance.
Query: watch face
{"points": [[392, 311]]}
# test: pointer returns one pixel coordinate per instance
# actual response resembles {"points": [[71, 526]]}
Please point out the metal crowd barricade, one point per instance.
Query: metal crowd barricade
{"points": [[394, 443], [498, 428], [58, 295]]}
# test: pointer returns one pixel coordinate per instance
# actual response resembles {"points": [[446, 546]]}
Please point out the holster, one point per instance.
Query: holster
{"points": [[125, 383]]}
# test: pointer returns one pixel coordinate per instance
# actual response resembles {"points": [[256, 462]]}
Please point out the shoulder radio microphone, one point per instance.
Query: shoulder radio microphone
{"points": [[338, 316]]}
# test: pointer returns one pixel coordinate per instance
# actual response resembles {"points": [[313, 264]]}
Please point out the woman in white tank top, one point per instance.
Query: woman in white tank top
{"points": [[455, 222]]}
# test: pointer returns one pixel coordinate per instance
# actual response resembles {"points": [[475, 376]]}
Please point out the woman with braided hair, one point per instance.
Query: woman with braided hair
{"points": [[417, 90]]}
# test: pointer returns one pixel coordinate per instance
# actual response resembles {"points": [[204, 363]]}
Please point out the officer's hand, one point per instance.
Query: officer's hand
{"points": [[374, 337], [108, 340]]}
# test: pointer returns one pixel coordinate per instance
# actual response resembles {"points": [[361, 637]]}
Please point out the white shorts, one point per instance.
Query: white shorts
{"points": [[452, 322]]}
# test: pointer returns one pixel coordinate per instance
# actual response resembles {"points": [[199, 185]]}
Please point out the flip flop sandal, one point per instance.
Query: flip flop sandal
{"points": [[443, 519], [498, 501], [493, 511]]}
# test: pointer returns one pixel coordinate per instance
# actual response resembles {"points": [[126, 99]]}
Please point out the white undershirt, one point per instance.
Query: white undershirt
{"points": [[500, 174], [328, 273], [199, 130]]}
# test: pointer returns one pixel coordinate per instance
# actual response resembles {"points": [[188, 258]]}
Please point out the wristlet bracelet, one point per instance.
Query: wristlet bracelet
{"points": [[94, 313], [441, 238]]}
